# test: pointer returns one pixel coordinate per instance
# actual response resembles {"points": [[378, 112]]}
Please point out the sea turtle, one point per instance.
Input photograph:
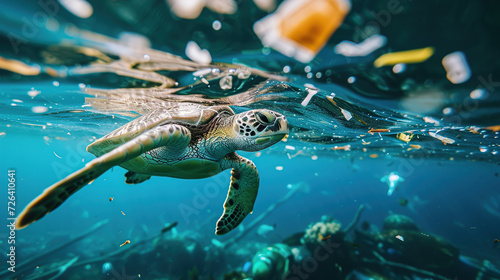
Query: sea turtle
{"points": [[190, 141]]}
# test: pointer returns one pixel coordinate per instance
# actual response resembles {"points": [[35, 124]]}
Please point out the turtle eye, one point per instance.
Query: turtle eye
{"points": [[265, 118]]}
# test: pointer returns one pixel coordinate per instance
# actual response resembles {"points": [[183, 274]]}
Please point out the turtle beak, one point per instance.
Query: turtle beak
{"points": [[280, 126], [279, 129], [283, 124]]}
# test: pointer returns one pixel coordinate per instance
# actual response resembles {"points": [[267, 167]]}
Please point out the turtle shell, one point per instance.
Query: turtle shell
{"points": [[189, 115]]}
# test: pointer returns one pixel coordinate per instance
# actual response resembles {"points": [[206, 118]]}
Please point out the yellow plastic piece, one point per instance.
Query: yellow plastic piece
{"points": [[412, 56], [313, 23]]}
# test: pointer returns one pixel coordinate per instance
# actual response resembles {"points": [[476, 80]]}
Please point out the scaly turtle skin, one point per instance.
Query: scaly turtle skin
{"points": [[189, 142]]}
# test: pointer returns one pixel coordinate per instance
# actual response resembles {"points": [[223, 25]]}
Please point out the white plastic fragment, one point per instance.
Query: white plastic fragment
{"points": [[279, 168], [265, 5], [443, 139], [457, 68], [188, 9], [227, 7], [347, 114], [135, 41], [79, 8], [39, 109], [311, 93], [478, 94], [398, 68], [369, 45], [196, 54], [288, 147], [226, 82], [431, 120], [33, 92], [202, 72]]}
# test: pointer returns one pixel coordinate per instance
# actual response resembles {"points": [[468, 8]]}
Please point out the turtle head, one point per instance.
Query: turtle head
{"points": [[259, 129]]}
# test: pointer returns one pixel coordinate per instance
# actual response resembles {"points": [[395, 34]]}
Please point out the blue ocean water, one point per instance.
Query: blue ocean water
{"points": [[340, 147]]}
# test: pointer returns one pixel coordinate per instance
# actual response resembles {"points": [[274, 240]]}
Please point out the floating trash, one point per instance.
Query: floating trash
{"points": [[263, 230], [300, 29], [400, 237], [457, 68], [125, 243], [226, 82], [187, 9], [39, 109], [107, 267], [265, 5], [311, 93], [33, 92], [399, 68], [279, 168], [392, 180], [406, 137], [79, 8], [369, 45], [411, 56], [443, 139], [378, 130], [196, 54], [431, 120], [478, 94], [347, 114]]}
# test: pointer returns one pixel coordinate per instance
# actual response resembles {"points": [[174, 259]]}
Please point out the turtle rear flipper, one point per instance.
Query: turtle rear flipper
{"points": [[175, 136], [242, 193]]}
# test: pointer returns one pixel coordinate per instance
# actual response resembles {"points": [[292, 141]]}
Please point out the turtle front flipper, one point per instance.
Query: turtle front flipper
{"points": [[242, 192], [133, 178], [174, 136]]}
